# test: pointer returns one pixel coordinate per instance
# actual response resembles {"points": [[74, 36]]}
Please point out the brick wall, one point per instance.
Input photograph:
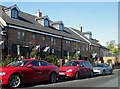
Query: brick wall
{"points": [[60, 45]]}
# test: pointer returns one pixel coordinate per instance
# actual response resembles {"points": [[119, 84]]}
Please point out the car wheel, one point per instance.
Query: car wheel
{"points": [[14, 81], [53, 78], [76, 75], [111, 71], [104, 73], [91, 74]]}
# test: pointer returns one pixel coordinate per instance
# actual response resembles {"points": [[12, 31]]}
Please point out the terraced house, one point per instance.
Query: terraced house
{"points": [[25, 32]]}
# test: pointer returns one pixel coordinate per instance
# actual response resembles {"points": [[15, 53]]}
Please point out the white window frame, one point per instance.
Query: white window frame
{"points": [[61, 27], [14, 13], [46, 22]]}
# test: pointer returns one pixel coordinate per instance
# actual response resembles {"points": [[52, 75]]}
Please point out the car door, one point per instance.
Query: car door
{"points": [[35, 73], [88, 69], [46, 70], [82, 69]]}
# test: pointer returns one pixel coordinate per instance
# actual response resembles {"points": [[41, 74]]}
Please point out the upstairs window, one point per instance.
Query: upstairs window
{"points": [[68, 42], [43, 37], [61, 27], [46, 23], [14, 13], [53, 41], [21, 36]]}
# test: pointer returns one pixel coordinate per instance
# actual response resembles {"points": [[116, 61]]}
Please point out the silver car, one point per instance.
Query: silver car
{"points": [[102, 69]]}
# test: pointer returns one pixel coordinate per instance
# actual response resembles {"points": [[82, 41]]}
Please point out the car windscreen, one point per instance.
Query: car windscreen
{"points": [[19, 63], [72, 63], [99, 65]]}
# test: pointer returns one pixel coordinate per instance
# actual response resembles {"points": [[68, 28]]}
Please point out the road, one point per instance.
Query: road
{"points": [[96, 81]]}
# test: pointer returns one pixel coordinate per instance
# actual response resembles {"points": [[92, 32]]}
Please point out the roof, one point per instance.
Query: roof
{"points": [[104, 47], [57, 22], [28, 21], [86, 33], [81, 33]]}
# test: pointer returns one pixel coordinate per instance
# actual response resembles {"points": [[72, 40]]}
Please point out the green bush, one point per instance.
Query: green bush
{"points": [[7, 61], [91, 61], [109, 61], [71, 58]]}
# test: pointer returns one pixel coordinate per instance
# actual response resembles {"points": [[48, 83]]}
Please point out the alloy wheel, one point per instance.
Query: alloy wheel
{"points": [[53, 78], [14, 81], [104, 73]]}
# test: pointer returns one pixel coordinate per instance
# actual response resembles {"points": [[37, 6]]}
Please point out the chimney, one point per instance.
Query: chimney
{"points": [[80, 28], [38, 14]]}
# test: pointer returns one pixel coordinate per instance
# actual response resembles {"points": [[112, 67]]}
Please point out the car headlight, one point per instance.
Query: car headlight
{"points": [[70, 70], [2, 73]]}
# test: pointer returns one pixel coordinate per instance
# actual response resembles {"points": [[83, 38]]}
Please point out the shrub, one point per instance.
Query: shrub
{"points": [[109, 61], [91, 61], [71, 58]]}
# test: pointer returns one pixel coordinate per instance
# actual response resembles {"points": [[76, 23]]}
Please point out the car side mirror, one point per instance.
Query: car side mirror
{"points": [[30, 66], [81, 65]]}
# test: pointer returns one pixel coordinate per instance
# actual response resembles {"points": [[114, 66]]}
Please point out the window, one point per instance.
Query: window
{"points": [[14, 13], [68, 42], [18, 36], [61, 27], [44, 63], [86, 48], [43, 37], [83, 49], [53, 40], [35, 63], [33, 36], [82, 63], [87, 63], [21, 36], [46, 23]]}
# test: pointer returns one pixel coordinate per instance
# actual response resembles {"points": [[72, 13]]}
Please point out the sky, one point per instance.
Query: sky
{"points": [[101, 18]]}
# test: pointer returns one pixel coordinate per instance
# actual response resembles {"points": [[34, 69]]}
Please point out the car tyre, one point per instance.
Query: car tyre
{"points": [[111, 71], [91, 74], [53, 78], [103, 73], [14, 81], [76, 75]]}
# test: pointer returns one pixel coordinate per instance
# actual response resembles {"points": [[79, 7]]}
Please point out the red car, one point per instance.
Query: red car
{"points": [[27, 70], [76, 69]]}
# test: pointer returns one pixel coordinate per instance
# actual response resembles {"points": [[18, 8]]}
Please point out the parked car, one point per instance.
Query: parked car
{"points": [[75, 69], [27, 70], [102, 69]]}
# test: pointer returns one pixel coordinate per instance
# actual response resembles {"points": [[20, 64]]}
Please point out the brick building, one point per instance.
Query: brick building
{"points": [[25, 32]]}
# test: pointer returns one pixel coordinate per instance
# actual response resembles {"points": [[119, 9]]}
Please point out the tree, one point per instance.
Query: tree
{"points": [[76, 55], [114, 49]]}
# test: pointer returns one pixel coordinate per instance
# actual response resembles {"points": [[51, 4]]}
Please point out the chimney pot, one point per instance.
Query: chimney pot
{"points": [[38, 14], [80, 28]]}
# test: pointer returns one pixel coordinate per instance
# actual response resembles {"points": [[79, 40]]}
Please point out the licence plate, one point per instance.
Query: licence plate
{"points": [[61, 73]]}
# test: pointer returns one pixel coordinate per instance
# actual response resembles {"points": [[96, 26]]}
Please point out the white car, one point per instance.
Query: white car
{"points": [[102, 69]]}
